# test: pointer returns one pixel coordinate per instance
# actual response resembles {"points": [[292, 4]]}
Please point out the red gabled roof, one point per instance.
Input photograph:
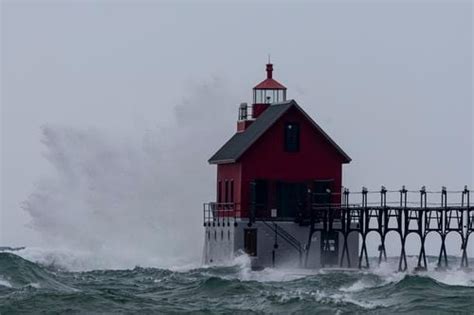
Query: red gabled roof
{"points": [[233, 149], [269, 84]]}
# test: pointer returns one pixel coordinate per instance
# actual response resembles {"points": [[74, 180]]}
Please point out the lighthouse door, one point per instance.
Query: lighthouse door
{"points": [[259, 198], [321, 194], [290, 199], [250, 242]]}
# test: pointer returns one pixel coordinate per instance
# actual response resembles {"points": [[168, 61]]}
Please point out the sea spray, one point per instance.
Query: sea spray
{"points": [[117, 200]]}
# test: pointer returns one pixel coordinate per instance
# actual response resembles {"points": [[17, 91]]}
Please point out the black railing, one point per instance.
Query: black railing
{"points": [[374, 213], [220, 213], [287, 237], [403, 216]]}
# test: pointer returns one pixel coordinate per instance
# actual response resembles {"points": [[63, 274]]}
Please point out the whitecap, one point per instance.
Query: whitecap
{"points": [[5, 283], [359, 285], [34, 285], [345, 298]]}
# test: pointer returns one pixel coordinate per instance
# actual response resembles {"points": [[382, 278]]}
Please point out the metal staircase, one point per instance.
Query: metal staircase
{"points": [[287, 237]]}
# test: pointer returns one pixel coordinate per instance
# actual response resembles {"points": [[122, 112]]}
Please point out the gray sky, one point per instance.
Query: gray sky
{"points": [[391, 82]]}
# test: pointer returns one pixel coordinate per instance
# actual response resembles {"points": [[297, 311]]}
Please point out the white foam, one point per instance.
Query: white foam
{"points": [[344, 298], [451, 277], [275, 274], [5, 283], [268, 274], [245, 273], [61, 258], [83, 260], [359, 285], [387, 271]]}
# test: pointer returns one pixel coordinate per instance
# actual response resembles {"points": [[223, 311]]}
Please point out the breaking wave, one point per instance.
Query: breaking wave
{"points": [[117, 200]]}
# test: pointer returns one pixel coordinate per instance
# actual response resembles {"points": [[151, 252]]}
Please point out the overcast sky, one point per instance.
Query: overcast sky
{"points": [[391, 82]]}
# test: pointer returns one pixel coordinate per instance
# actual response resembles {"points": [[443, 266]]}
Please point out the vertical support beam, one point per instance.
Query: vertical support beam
{"points": [[275, 245], [443, 256], [323, 247], [422, 263], [382, 228], [311, 226], [345, 253], [403, 223], [204, 214], [346, 228], [309, 205], [328, 218], [328, 211], [465, 231], [308, 245], [363, 252]]}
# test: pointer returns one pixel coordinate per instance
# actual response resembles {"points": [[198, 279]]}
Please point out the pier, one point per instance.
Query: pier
{"points": [[382, 212], [403, 217]]}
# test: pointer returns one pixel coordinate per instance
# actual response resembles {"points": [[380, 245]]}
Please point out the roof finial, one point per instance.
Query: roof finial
{"points": [[269, 68]]}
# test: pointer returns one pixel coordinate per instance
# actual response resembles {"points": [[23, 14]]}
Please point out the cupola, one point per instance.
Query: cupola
{"points": [[267, 92]]}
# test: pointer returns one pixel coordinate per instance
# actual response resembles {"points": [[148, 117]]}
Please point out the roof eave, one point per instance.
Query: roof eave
{"points": [[228, 161], [269, 84]]}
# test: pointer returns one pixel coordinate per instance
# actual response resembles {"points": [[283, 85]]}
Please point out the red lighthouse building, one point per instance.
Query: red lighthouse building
{"points": [[278, 163]]}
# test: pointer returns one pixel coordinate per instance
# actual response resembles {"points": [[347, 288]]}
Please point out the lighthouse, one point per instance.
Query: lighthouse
{"points": [[271, 174]]}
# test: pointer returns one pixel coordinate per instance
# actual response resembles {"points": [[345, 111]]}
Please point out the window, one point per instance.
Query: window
{"points": [[226, 191], [265, 96], [250, 242], [258, 97], [232, 190], [292, 137], [219, 192]]}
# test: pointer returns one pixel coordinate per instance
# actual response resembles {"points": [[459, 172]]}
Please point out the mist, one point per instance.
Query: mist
{"points": [[130, 200]]}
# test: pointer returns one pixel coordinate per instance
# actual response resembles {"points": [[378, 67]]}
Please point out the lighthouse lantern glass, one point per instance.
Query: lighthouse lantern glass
{"points": [[263, 96]]}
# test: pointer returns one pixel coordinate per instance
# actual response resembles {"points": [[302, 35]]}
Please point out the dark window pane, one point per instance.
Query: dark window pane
{"points": [[292, 137], [219, 192], [226, 191], [250, 242], [259, 196]]}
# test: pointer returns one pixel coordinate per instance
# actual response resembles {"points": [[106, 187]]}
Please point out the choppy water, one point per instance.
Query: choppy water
{"points": [[28, 287]]}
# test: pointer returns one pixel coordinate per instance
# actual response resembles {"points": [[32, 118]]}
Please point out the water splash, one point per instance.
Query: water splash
{"points": [[116, 201]]}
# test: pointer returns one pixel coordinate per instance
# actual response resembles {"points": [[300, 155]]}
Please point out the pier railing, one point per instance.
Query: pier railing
{"points": [[403, 212], [220, 213]]}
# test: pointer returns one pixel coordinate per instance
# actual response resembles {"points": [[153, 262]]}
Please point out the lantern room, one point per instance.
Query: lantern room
{"points": [[267, 92]]}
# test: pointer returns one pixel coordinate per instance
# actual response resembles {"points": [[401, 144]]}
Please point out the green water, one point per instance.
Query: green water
{"points": [[27, 287]]}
